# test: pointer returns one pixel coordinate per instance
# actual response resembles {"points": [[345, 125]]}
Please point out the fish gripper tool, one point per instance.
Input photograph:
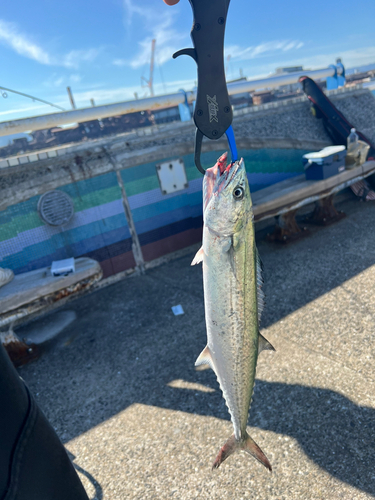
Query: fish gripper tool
{"points": [[213, 112]]}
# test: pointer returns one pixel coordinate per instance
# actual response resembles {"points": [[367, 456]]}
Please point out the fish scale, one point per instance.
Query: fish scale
{"points": [[233, 299]]}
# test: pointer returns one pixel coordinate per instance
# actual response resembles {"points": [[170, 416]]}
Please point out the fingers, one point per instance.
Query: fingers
{"points": [[171, 2]]}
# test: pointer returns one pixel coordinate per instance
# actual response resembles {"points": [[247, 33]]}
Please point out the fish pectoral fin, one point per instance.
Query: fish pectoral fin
{"points": [[205, 359], [198, 257], [264, 345], [226, 244], [247, 444], [201, 368], [236, 240]]}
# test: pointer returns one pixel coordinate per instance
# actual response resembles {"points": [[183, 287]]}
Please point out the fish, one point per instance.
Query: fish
{"points": [[233, 299]]}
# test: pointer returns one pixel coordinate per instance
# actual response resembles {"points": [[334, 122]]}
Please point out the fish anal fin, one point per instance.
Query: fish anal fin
{"points": [[198, 257], [264, 345], [247, 444], [204, 358]]}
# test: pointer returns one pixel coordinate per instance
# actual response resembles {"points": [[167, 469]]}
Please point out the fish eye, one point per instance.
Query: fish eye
{"points": [[238, 193]]}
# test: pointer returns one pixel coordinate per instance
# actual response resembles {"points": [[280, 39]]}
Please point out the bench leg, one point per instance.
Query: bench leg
{"points": [[19, 352], [325, 212], [287, 229]]}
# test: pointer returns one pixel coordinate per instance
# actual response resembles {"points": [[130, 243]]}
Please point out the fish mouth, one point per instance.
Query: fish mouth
{"points": [[227, 174]]}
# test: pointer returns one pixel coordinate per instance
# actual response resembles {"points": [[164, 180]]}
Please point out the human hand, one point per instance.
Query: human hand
{"points": [[171, 2]]}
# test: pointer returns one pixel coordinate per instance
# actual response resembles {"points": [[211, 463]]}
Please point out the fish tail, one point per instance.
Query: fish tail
{"points": [[247, 444]]}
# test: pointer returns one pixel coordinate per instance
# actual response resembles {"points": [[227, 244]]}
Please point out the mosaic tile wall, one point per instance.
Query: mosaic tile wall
{"points": [[98, 225], [99, 229], [168, 223]]}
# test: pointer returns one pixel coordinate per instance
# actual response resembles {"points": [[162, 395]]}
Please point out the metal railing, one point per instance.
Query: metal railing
{"points": [[153, 103]]}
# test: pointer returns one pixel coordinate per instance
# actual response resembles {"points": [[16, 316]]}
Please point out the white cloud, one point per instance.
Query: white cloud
{"points": [[19, 42], [132, 8], [75, 57], [266, 48], [75, 78], [104, 96], [126, 93], [350, 58], [168, 39], [43, 107], [11, 36], [120, 62], [56, 80]]}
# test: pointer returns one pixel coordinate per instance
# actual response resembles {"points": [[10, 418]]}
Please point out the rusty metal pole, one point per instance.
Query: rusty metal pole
{"points": [[136, 246], [71, 98]]}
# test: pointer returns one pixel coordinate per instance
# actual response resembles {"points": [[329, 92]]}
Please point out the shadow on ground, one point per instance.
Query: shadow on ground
{"points": [[128, 346], [333, 432]]}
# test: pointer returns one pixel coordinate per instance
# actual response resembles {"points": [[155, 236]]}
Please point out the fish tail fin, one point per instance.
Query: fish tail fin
{"points": [[247, 444], [229, 447], [250, 446]]}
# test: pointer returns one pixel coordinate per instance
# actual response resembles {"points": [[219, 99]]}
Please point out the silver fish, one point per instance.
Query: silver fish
{"points": [[233, 297]]}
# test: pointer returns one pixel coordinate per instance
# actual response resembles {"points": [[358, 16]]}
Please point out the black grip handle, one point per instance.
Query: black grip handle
{"points": [[213, 112]]}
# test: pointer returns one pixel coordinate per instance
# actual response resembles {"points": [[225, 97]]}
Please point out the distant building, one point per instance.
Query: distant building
{"points": [[78, 132], [65, 135], [359, 77], [262, 97], [289, 69], [292, 87], [166, 115], [21, 144], [240, 100]]}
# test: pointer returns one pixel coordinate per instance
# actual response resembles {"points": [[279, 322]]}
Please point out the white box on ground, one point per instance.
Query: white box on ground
{"points": [[63, 267]]}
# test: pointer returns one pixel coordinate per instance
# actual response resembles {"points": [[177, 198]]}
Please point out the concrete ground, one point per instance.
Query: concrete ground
{"points": [[125, 398]]}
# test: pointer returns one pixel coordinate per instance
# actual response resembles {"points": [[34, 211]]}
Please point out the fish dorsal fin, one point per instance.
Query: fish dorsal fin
{"points": [[264, 345], [198, 257], [260, 293], [205, 358]]}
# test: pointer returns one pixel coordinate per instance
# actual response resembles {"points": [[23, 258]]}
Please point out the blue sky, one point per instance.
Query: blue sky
{"points": [[102, 48]]}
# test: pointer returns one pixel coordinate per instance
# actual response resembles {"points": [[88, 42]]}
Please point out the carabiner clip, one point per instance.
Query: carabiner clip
{"points": [[198, 147]]}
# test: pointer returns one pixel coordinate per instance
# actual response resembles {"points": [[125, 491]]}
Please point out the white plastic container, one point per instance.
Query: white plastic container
{"points": [[63, 267], [352, 141]]}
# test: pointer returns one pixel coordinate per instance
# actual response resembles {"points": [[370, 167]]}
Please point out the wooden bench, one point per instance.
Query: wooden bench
{"points": [[284, 199], [36, 292]]}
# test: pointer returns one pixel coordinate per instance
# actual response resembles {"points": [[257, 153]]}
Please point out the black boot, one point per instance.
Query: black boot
{"points": [[33, 462]]}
